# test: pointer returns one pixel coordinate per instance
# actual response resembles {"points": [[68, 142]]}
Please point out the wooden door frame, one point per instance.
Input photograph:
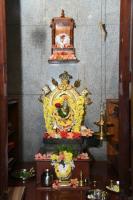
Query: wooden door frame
{"points": [[131, 63], [3, 104], [124, 96]]}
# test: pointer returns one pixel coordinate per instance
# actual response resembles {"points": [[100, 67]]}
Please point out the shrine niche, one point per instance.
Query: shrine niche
{"points": [[64, 109], [62, 50]]}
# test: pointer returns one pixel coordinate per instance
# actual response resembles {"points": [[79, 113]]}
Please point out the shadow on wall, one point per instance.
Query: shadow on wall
{"points": [[38, 38]]}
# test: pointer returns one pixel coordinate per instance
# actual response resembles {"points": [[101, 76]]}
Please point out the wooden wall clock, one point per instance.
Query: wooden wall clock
{"points": [[62, 50]]}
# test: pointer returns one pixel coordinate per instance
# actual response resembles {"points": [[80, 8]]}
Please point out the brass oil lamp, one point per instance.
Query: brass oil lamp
{"points": [[103, 124]]}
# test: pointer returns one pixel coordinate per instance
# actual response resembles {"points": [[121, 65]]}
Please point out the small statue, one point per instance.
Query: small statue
{"points": [[54, 82], [85, 92], [65, 76], [77, 83], [45, 91]]}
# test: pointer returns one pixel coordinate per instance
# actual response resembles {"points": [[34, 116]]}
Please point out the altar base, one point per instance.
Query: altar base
{"points": [[80, 165]]}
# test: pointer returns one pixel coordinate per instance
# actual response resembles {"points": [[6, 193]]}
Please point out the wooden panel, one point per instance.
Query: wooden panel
{"points": [[3, 103], [131, 61], [112, 110], [113, 128], [124, 78], [13, 132]]}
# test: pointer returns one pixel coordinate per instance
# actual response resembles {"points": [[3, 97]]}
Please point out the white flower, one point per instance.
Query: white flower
{"points": [[62, 167]]}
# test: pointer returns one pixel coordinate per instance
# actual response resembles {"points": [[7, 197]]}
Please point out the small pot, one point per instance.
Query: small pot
{"points": [[47, 178]]}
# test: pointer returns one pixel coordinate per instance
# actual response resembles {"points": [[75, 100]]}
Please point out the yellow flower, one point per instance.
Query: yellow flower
{"points": [[54, 157], [68, 156]]}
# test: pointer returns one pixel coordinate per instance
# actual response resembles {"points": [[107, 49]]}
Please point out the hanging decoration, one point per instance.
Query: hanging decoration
{"points": [[102, 123]]}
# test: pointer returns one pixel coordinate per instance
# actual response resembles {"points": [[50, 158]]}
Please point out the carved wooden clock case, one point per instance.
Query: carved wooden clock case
{"points": [[62, 50]]}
